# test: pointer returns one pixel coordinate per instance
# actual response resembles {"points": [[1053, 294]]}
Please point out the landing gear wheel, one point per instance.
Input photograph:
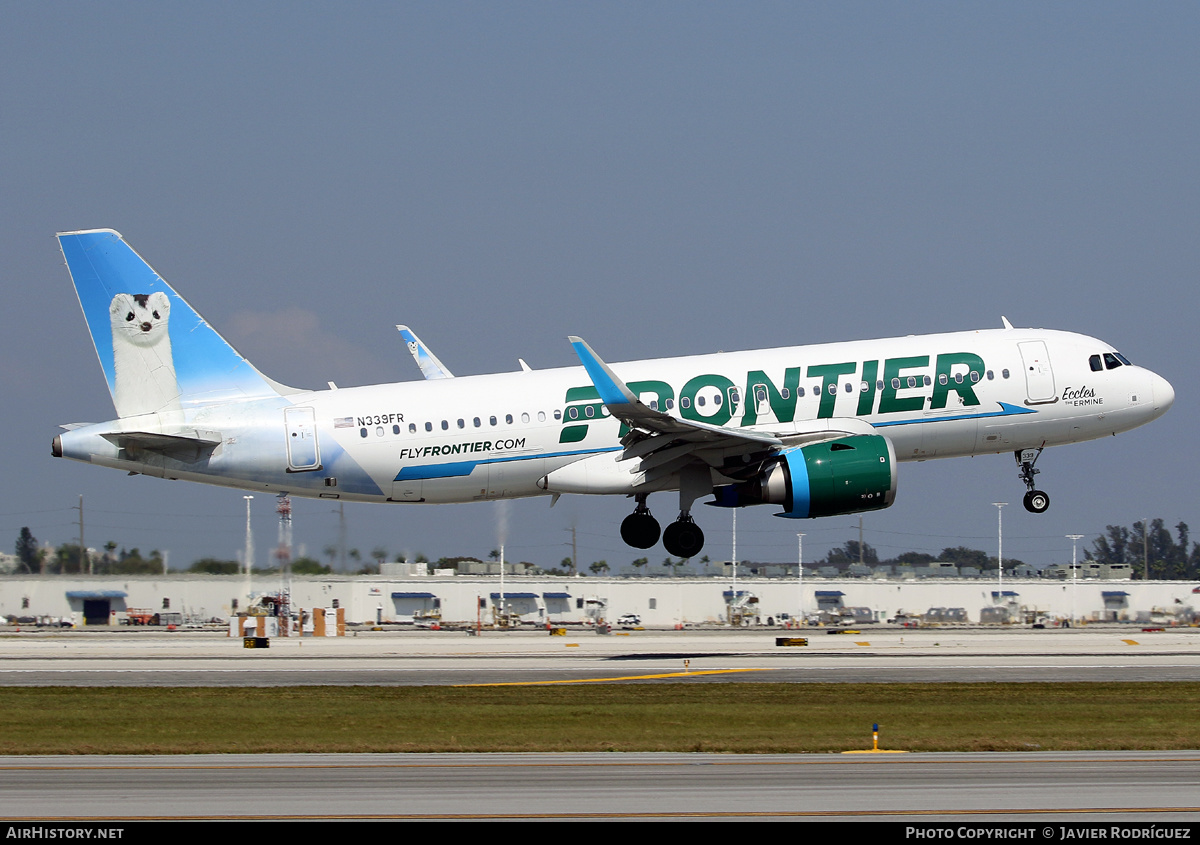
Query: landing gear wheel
{"points": [[683, 539], [1036, 501], [640, 530]]}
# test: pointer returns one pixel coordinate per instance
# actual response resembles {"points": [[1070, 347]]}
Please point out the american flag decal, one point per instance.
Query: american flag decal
{"points": [[343, 422]]}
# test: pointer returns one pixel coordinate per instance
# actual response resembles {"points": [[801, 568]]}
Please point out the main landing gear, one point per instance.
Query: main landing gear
{"points": [[1035, 500], [683, 537], [640, 529]]}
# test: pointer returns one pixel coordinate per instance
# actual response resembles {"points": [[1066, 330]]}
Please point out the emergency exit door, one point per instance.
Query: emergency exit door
{"points": [[303, 453], [1039, 378]]}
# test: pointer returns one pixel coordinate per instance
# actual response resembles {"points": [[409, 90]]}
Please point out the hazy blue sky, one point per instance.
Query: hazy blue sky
{"points": [[660, 178]]}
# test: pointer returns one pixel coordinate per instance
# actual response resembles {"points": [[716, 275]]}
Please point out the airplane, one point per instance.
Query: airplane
{"points": [[815, 430]]}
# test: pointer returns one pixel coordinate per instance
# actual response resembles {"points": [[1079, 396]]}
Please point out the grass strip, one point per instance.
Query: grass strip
{"points": [[719, 717]]}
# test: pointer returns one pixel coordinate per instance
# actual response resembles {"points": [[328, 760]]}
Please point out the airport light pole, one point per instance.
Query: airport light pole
{"points": [[1000, 545], [249, 551], [733, 561], [800, 572], [1074, 538]]}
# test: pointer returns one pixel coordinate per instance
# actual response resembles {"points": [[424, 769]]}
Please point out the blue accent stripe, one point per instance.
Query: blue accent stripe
{"points": [[459, 469], [451, 470], [1007, 411]]}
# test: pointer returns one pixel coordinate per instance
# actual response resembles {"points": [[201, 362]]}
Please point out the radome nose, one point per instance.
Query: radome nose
{"points": [[1164, 394]]}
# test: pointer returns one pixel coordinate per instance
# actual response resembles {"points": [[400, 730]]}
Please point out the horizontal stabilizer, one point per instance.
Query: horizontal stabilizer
{"points": [[183, 446]]}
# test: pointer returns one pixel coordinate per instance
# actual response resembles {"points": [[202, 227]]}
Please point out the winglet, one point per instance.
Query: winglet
{"points": [[612, 390], [1007, 324], [431, 367]]}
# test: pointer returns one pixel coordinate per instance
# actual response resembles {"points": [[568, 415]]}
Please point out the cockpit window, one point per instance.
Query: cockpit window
{"points": [[1110, 361], [1123, 359], [1095, 364]]}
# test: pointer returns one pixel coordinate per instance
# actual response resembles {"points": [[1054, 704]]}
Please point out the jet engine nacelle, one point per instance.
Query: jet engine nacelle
{"points": [[847, 475]]}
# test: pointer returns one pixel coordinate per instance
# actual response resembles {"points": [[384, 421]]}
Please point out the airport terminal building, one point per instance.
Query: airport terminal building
{"points": [[659, 602]]}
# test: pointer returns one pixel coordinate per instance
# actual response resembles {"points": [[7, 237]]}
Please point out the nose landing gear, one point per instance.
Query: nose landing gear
{"points": [[1035, 501]]}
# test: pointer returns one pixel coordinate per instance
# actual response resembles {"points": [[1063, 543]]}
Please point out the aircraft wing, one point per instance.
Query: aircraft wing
{"points": [[664, 444], [431, 367]]}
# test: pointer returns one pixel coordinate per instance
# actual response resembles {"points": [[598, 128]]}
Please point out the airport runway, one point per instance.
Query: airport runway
{"points": [[973, 788], [983, 788], [78, 658]]}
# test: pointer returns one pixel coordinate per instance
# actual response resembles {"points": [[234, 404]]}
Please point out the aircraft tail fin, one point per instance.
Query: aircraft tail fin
{"points": [[157, 353]]}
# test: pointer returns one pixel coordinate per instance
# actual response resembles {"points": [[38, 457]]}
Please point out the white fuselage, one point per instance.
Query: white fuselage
{"points": [[500, 436]]}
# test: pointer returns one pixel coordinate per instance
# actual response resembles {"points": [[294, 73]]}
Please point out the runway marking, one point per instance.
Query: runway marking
{"points": [[621, 678], [1019, 759]]}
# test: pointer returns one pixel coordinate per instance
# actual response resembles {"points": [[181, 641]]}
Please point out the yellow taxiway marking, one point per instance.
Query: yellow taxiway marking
{"points": [[571, 645], [1130, 642], [856, 642], [623, 678]]}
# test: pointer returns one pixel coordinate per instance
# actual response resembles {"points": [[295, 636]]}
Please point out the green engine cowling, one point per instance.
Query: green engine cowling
{"points": [[846, 475]]}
